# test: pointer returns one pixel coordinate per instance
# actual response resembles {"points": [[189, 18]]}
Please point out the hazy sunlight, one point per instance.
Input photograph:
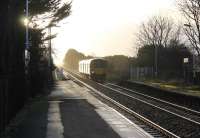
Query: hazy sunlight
{"points": [[105, 27]]}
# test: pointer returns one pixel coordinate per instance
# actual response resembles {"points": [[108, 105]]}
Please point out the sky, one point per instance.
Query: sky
{"points": [[106, 27]]}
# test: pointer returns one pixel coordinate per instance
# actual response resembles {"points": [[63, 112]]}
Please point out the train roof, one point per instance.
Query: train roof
{"points": [[88, 61]]}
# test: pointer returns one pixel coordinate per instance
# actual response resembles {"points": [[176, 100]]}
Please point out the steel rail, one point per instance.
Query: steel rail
{"points": [[160, 100], [155, 106]]}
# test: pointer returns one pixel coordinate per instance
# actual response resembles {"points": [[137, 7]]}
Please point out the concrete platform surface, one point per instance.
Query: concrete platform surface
{"points": [[70, 111]]}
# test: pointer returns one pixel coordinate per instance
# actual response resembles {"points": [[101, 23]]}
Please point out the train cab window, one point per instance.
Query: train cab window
{"points": [[100, 64]]}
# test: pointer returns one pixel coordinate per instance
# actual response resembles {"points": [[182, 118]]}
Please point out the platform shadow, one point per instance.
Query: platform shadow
{"points": [[80, 120], [34, 123]]}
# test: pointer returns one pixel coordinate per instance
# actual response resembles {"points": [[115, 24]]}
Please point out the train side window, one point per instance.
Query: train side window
{"points": [[87, 69], [83, 67]]}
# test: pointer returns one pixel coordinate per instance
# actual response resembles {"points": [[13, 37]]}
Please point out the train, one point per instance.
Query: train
{"points": [[94, 69]]}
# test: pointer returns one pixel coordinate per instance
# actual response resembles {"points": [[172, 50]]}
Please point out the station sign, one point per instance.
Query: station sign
{"points": [[185, 60]]}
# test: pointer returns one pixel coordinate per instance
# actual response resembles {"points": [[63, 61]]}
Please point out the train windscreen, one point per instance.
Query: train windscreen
{"points": [[100, 64]]}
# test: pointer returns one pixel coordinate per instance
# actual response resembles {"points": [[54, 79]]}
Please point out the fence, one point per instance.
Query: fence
{"points": [[12, 97], [137, 73]]}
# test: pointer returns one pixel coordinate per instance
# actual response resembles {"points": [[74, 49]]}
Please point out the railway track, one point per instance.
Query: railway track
{"points": [[149, 126], [181, 111], [178, 98], [177, 119], [182, 121]]}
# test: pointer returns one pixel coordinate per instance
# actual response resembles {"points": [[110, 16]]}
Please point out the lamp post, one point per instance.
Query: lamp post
{"points": [[193, 55], [27, 14], [27, 54]]}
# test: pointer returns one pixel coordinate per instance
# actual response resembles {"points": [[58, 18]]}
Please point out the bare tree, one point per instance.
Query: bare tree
{"points": [[191, 11], [157, 31]]}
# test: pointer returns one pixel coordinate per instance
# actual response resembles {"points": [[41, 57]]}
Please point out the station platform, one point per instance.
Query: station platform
{"points": [[70, 111]]}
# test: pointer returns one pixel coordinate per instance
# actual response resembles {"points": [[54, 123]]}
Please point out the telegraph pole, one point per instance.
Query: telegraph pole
{"points": [[156, 61], [50, 49]]}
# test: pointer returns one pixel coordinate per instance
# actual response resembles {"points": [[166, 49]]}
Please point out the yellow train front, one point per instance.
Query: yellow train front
{"points": [[94, 69]]}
